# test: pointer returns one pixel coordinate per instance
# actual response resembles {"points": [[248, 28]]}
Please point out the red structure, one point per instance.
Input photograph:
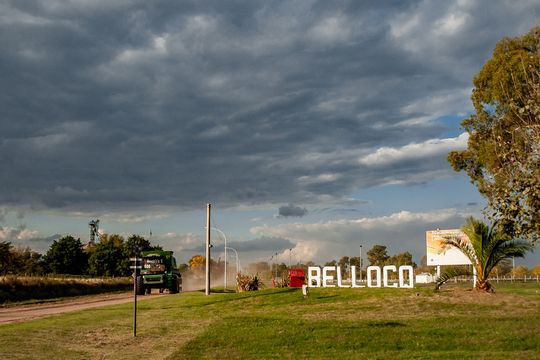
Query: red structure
{"points": [[297, 278]]}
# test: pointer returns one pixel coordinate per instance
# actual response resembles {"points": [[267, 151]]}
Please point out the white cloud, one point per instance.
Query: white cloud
{"points": [[436, 105], [320, 178], [324, 230], [330, 30], [177, 242], [451, 23], [400, 231], [158, 47], [136, 219], [303, 251], [17, 234], [433, 147]]}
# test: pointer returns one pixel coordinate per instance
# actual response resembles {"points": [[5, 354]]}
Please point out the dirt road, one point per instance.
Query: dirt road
{"points": [[28, 312]]}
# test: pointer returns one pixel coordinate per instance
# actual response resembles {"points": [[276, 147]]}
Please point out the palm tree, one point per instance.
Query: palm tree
{"points": [[485, 249]]}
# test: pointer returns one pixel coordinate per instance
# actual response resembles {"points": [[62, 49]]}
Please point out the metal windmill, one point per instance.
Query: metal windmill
{"points": [[94, 231]]}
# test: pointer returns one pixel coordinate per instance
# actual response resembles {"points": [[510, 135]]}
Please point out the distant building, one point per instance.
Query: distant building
{"points": [[424, 278]]}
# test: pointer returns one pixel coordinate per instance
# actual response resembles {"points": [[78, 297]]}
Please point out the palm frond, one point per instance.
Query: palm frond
{"points": [[451, 273], [478, 234], [487, 246], [464, 247], [515, 248]]}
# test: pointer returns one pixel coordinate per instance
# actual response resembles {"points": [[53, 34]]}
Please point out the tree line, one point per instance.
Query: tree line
{"points": [[68, 255]]}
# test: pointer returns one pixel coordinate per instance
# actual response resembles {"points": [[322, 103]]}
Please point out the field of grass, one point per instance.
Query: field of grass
{"points": [[281, 323], [33, 288]]}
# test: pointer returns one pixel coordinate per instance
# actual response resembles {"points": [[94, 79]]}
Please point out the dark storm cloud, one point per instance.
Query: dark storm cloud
{"points": [[42, 244], [291, 210], [108, 105]]}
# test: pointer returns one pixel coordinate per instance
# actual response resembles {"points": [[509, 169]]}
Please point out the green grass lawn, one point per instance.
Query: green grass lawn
{"points": [[280, 323]]}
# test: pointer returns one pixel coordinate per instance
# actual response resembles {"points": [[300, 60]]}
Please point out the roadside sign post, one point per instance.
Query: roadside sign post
{"points": [[136, 265]]}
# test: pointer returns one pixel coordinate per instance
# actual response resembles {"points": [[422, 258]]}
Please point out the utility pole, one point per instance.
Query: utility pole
{"points": [[208, 246], [290, 250], [225, 269], [276, 266]]}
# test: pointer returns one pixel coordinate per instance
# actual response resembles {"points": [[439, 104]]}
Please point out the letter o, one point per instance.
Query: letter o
{"points": [[378, 276]]}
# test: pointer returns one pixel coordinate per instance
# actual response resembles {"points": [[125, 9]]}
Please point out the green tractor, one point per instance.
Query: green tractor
{"points": [[158, 271]]}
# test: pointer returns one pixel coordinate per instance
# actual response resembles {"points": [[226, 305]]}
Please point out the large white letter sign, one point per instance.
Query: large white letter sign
{"points": [[409, 269], [316, 278], [369, 280], [353, 278], [385, 275], [326, 278]]}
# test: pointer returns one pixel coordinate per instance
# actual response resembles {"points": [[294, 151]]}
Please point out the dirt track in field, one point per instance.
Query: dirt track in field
{"points": [[20, 313]]}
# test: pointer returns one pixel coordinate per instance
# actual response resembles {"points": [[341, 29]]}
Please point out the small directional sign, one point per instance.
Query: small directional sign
{"points": [[136, 263]]}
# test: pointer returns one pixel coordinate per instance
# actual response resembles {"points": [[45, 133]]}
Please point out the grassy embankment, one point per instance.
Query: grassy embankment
{"points": [[280, 323], [21, 288]]}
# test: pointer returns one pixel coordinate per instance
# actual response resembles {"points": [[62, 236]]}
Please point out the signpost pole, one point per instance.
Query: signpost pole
{"points": [[208, 246], [135, 267]]}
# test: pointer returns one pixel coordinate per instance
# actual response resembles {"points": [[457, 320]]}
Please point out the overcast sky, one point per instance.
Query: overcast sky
{"points": [[315, 126]]}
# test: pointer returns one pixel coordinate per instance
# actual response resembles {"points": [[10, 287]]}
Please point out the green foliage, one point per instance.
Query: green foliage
{"points": [[20, 260], [486, 248], [6, 257], [404, 258], [133, 243], [343, 262], [450, 273], [377, 255], [136, 241], [108, 257], [66, 256], [355, 261], [282, 269], [26, 261], [503, 154]]}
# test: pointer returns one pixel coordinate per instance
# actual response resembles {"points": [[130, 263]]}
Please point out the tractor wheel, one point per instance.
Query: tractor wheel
{"points": [[148, 291], [139, 286], [174, 286]]}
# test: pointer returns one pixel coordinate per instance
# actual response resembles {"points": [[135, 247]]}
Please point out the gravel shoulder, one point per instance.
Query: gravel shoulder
{"points": [[21, 313]]}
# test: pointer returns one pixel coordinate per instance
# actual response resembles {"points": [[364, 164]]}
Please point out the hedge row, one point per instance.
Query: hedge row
{"points": [[17, 288]]}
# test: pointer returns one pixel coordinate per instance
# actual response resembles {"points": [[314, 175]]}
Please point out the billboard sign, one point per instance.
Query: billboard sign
{"points": [[440, 254]]}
